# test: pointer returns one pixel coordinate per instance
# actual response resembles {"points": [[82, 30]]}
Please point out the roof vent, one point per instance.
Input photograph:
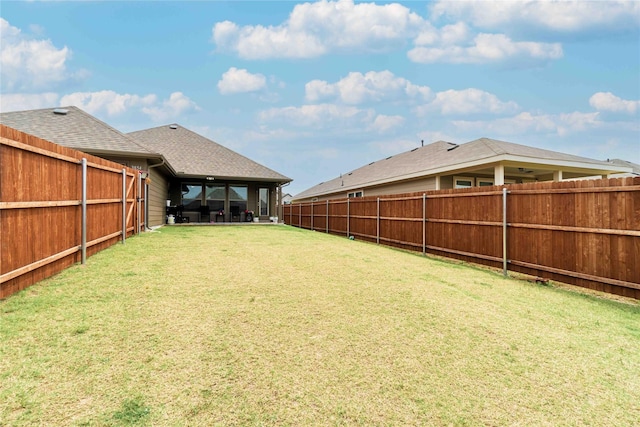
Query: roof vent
{"points": [[61, 111], [173, 126]]}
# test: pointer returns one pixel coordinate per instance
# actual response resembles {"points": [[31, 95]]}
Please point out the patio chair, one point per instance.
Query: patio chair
{"points": [[235, 212]]}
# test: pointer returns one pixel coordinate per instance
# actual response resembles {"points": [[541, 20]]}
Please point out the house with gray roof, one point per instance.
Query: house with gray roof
{"points": [[444, 165], [186, 173], [211, 182]]}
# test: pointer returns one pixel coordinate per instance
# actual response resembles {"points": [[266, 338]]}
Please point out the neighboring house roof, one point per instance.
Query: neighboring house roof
{"points": [[441, 157], [619, 162], [73, 128], [191, 154]]}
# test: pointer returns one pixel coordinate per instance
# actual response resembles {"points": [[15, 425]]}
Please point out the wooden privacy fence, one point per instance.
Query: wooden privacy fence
{"points": [[585, 233], [58, 206]]}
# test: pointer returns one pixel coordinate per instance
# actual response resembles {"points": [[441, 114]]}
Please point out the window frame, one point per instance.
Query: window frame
{"points": [[464, 178]]}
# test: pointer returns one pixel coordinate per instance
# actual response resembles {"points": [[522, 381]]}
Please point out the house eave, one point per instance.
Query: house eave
{"points": [[566, 165]]}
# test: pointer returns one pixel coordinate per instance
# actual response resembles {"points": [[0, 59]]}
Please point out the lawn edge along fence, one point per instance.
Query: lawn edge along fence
{"points": [[583, 232], [58, 206]]}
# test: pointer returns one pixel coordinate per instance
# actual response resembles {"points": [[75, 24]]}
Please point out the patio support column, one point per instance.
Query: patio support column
{"points": [[557, 176], [280, 205], [498, 175], [437, 182]]}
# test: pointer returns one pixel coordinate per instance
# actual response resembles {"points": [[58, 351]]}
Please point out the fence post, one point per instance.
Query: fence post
{"points": [[504, 231], [424, 224], [327, 215], [83, 242], [311, 216], [378, 223], [138, 198], [124, 205], [300, 215], [348, 217]]}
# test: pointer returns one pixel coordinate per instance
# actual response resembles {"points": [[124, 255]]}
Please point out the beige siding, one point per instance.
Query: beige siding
{"points": [[415, 186], [158, 195]]}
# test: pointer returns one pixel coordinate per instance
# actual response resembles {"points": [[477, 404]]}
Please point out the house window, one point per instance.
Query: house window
{"points": [[463, 182], [191, 196], [354, 194], [484, 182], [263, 196], [237, 198], [215, 194]]}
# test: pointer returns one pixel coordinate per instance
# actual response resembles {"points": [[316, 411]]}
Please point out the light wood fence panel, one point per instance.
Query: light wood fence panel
{"points": [[585, 232], [41, 208]]}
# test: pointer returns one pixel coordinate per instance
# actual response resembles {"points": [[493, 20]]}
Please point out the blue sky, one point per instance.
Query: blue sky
{"points": [[316, 89]]}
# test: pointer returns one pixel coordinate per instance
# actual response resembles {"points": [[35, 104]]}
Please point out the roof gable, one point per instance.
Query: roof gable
{"points": [[192, 154], [74, 128]]}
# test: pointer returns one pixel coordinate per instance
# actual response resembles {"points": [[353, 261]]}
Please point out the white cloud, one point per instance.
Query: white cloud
{"points": [[606, 101], [106, 101], [561, 16], [314, 29], [384, 123], [357, 88], [467, 101], [447, 35], [240, 81], [30, 64], [486, 48], [27, 101], [527, 123], [111, 103], [176, 105], [319, 115]]}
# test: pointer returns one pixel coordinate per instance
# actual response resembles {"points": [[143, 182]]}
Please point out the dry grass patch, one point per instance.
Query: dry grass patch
{"points": [[280, 326]]}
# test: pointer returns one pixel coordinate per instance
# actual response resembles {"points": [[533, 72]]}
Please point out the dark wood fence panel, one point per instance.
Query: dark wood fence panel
{"points": [[41, 208], [585, 233]]}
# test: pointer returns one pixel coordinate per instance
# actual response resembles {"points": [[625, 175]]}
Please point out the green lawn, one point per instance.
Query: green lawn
{"points": [[274, 325]]}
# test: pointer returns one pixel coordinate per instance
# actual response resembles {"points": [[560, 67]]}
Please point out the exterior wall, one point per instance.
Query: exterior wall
{"points": [[415, 186], [158, 194]]}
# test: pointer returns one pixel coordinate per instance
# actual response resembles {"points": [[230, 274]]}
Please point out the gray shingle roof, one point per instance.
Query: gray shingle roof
{"points": [[436, 157], [75, 129], [626, 163], [192, 154]]}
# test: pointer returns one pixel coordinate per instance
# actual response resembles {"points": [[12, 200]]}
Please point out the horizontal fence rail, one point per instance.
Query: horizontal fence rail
{"points": [[585, 232], [58, 206]]}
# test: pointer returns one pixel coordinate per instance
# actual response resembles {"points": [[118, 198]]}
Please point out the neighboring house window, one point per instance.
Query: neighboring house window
{"points": [[191, 196], [355, 194], [484, 182], [463, 182], [215, 194], [238, 197], [263, 195]]}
